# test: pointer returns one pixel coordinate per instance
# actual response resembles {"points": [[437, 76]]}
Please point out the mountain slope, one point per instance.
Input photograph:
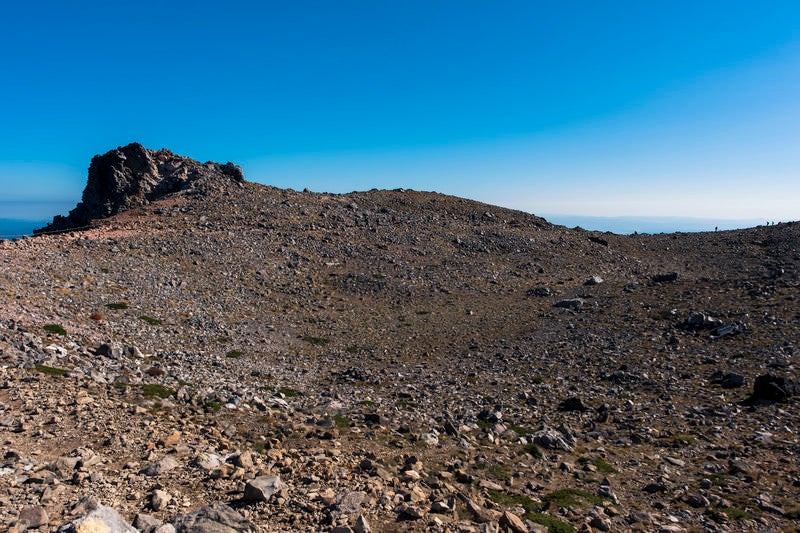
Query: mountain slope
{"points": [[393, 356]]}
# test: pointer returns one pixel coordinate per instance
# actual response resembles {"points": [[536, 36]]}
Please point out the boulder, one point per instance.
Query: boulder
{"points": [[773, 388], [262, 488], [100, 519], [574, 304]]}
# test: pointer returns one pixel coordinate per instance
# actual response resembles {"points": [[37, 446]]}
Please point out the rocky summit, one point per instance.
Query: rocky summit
{"points": [[132, 175], [201, 353]]}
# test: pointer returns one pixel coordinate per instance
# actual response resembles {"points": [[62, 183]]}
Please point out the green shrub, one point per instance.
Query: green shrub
{"points": [[719, 480], [51, 371], [571, 498], [214, 406], [289, 393], [234, 354], [117, 305], [155, 390], [737, 514], [534, 450], [532, 511], [601, 465], [55, 329], [553, 524], [342, 422], [150, 320], [316, 341]]}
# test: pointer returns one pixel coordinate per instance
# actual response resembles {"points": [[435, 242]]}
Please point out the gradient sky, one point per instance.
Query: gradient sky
{"points": [[585, 108]]}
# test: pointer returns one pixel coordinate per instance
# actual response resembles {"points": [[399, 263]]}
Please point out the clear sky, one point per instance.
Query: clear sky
{"points": [[593, 108]]}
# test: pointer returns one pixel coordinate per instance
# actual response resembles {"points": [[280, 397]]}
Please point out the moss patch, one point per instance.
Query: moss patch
{"points": [[534, 450], [214, 406], [342, 422], [154, 390], [571, 498], [55, 329], [316, 341], [602, 466], [51, 371], [735, 513], [532, 511]]}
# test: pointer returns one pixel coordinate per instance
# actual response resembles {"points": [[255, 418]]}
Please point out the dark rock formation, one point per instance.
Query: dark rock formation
{"points": [[773, 389], [664, 278], [132, 176]]}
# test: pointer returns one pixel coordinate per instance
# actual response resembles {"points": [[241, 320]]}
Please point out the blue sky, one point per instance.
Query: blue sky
{"points": [[588, 108]]}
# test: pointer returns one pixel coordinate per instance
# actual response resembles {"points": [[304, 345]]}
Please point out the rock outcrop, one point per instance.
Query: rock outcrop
{"points": [[132, 176]]}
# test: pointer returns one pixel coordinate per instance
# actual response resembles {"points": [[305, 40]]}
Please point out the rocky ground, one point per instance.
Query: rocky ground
{"points": [[259, 359]]}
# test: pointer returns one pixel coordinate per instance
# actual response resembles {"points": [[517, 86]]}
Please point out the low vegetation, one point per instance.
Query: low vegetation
{"points": [[55, 329], [51, 371]]}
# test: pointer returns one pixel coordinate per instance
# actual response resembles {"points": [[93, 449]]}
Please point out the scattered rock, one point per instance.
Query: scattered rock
{"points": [[361, 525], [552, 439]]}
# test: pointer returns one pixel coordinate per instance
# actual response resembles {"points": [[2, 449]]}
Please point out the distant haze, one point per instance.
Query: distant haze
{"points": [[628, 225]]}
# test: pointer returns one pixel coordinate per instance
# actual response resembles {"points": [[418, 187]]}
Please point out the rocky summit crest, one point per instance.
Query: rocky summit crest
{"points": [[131, 176]]}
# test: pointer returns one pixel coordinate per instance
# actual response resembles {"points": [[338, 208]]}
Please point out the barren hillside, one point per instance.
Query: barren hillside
{"points": [[275, 360]]}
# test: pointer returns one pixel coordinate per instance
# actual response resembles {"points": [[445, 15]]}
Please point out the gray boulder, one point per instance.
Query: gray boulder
{"points": [[215, 518], [262, 488], [101, 518]]}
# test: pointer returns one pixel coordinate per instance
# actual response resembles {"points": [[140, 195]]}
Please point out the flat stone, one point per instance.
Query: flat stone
{"points": [[162, 466], [350, 502], [103, 519], [513, 522], [262, 488], [35, 516], [159, 499], [215, 518], [574, 304]]}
